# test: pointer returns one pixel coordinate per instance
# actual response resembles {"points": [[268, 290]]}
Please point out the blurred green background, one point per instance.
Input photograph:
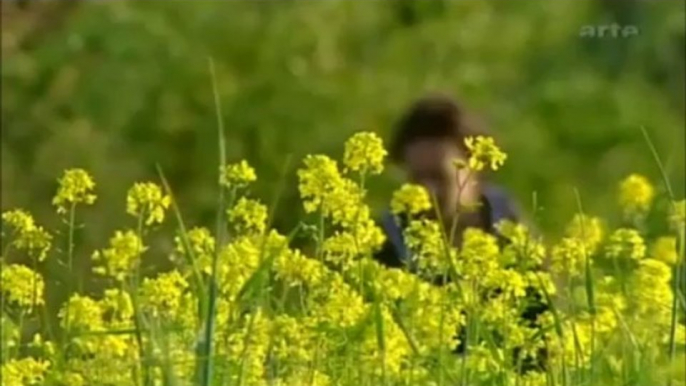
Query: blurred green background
{"points": [[116, 87]]}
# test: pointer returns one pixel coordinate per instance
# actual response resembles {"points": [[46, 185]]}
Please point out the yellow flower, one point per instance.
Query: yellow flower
{"points": [[28, 236], [522, 250], [588, 230], [22, 286], [626, 242], [344, 247], [46, 348], [296, 269], [19, 219], [118, 305], [146, 200], [340, 249], [248, 347], [483, 152], [636, 194], [305, 377], [425, 241], [201, 242], [323, 188], [70, 378], [237, 262], [121, 257], [479, 254], [677, 216], [293, 340], [392, 283], [396, 346], [248, 216], [337, 304], [162, 296], [411, 199], [569, 256], [75, 187], [236, 175], [364, 152], [23, 372], [512, 283], [319, 177], [664, 249], [81, 313], [650, 290]]}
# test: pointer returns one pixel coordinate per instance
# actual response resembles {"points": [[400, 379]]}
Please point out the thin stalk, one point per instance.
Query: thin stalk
{"points": [[441, 352], [206, 349], [590, 291], [138, 321], [677, 268], [2, 303], [70, 263], [190, 257], [246, 347]]}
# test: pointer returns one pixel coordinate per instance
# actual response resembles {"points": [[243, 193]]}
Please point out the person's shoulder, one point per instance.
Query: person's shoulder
{"points": [[390, 251], [505, 206], [502, 204]]}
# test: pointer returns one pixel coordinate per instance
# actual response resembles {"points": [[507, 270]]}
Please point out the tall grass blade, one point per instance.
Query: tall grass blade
{"points": [[206, 371], [190, 254], [380, 338], [588, 283], [676, 288]]}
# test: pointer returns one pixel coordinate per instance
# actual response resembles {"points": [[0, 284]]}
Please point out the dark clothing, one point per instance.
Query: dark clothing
{"points": [[496, 205]]}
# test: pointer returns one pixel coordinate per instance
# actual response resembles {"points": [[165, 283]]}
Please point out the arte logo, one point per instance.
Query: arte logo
{"points": [[612, 31]]}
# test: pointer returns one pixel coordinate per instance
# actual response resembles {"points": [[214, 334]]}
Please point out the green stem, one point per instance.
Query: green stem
{"points": [[682, 236], [70, 263], [675, 303], [133, 291]]}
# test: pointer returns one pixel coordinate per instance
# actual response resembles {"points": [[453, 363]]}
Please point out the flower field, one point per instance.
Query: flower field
{"points": [[241, 306]]}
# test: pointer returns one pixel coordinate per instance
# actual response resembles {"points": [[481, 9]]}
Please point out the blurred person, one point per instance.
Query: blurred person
{"points": [[429, 139]]}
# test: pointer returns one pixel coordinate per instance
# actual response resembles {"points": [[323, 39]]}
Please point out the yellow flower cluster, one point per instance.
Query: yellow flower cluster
{"points": [[626, 243], [636, 194], [479, 255], [23, 372], [364, 153], [569, 256], [162, 297], [146, 200], [323, 188], [248, 216], [296, 269], [484, 153], [96, 351], [523, 249], [664, 249], [121, 257], [332, 314], [410, 199], [677, 217], [28, 236], [22, 286], [75, 187], [81, 312], [236, 175], [587, 229], [425, 241]]}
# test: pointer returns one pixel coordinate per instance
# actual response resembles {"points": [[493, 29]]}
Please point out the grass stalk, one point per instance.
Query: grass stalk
{"points": [[676, 287], [220, 231]]}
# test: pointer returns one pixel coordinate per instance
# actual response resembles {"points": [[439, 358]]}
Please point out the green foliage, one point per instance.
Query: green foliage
{"points": [[118, 87]]}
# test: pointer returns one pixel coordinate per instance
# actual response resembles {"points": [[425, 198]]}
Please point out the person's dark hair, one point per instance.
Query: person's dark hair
{"points": [[435, 116]]}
